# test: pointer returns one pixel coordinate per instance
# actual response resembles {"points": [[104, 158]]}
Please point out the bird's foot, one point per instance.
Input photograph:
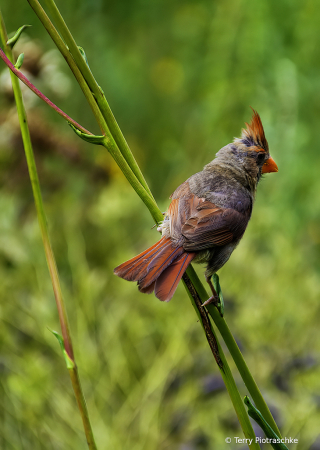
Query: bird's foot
{"points": [[214, 299], [217, 298]]}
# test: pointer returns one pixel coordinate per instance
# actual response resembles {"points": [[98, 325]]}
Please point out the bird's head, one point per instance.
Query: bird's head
{"points": [[252, 149]]}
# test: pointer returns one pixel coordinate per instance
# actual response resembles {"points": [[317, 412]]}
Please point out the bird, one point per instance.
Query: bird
{"points": [[206, 218]]}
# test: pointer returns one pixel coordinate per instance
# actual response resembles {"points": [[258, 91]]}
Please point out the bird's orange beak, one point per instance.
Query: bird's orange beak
{"points": [[269, 166]]}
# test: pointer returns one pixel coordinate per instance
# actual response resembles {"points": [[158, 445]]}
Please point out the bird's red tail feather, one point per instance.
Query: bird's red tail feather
{"points": [[166, 284], [158, 268], [131, 269]]}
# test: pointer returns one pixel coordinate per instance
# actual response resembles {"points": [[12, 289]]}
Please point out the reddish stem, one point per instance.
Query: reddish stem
{"points": [[25, 80]]}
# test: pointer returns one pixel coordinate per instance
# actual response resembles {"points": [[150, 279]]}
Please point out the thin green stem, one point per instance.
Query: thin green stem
{"points": [[46, 242], [97, 91], [234, 351], [82, 405], [37, 195]]}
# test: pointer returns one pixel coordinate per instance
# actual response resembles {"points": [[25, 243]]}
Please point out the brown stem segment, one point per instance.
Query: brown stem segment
{"points": [[205, 320], [28, 83]]}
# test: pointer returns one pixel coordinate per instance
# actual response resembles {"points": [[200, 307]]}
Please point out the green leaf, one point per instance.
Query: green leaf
{"points": [[69, 363], [19, 62], [273, 439], [12, 41], [97, 140]]}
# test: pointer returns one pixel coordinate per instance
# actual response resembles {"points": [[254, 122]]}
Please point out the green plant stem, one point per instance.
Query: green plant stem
{"points": [[95, 88], [82, 405], [126, 162], [234, 351], [46, 243], [242, 367], [222, 363]]}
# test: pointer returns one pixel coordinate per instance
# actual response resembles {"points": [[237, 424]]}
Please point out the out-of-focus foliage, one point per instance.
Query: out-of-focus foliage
{"points": [[179, 76]]}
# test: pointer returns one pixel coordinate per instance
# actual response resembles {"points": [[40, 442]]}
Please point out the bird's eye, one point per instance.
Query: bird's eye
{"points": [[261, 158]]}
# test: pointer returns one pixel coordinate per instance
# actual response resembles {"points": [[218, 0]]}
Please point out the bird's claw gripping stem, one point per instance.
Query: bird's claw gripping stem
{"points": [[216, 298], [213, 299]]}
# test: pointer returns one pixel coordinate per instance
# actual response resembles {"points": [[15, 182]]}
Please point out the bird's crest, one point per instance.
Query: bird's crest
{"points": [[254, 134]]}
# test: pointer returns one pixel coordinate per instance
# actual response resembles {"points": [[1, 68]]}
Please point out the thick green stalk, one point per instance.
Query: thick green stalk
{"points": [[234, 351], [222, 363], [242, 367], [46, 243], [97, 91]]}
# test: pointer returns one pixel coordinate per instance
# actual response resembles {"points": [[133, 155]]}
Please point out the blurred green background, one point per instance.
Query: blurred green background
{"points": [[180, 77]]}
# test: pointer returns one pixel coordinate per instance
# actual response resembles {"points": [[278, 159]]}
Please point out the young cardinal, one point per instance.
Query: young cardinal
{"points": [[207, 216]]}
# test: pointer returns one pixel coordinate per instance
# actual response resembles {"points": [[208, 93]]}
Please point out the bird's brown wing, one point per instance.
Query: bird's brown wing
{"points": [[202, 224]]}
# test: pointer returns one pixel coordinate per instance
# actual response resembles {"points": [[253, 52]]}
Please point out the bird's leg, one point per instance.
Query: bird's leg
{"points": [[216, 298]]}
